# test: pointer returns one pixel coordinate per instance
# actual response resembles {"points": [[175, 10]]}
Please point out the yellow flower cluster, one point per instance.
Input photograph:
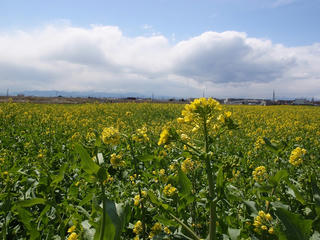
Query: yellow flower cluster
{"points": [[296, 157], [137, 198], [262, 222], [187, 165], [194, 111], [110, 135], [73, 235], [164, 137], [169, 190], [138, 228], [156, 229], [116, 160], [258, 144], [141, 135], [260, 174]]}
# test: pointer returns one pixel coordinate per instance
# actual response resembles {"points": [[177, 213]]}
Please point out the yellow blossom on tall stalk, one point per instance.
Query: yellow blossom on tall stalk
{"points": [[194, 112], [156, 229], [296, 157], [110, 135], [138, 228], [164, 136], [116, 160], [260, 174], [187, 165], [262, 223], [169, 190], [73, 236]]}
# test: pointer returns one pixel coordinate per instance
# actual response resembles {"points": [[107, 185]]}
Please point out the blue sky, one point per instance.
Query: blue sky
{"points": [[269, 44], [290, 22]]}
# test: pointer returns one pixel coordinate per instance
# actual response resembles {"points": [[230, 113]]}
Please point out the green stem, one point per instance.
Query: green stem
{"points": [[213, 204], [139, 189], [185, 227], [103, 222]]}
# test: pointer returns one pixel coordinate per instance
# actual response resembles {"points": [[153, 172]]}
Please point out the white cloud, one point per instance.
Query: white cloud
{"points": [[102, 58]]}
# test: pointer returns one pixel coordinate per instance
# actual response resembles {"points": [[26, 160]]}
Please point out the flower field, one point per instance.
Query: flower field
{"points": [[159, 171]]}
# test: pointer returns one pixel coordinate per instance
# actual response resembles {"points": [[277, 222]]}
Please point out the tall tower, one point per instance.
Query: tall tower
{"points": [[273, 96]]}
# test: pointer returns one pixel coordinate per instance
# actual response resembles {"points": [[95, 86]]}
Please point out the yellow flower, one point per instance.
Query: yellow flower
{"points": [[271, 230], [260, 174], [162, 172], [187, 165], [156, 227], [184, 137], [72, 229], [193, 112], [136, 200], [110, 135], [138, 227], [263, 222], [167, 230], [296, 157], [164, 137], [116, 160], [73, 236], [169, 190]]}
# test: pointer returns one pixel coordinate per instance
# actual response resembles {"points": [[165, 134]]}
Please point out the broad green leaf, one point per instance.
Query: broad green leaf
{"points": [[315, 236], [87, 164], [87, 198], [165, 221], [292, 190], [252, 206], [234, 233], [281, 174], [156, 202], [295, 228], [316, 191], [115, 216], [184, 184], [30, 202], [270, 145], [27, 219], [58, 178]]}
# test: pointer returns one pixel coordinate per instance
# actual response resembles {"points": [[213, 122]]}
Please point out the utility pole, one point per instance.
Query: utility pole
{"points": [[273, 96], [8, 92]]}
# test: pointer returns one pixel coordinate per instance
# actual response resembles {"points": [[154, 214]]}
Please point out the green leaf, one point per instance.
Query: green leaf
{"points": [[296, 228], [30, 202], [184, 184], [27, 219], [115, 219], [292, 190], [234, 233], [316, 191], [252, 206], [58, 178], [315, 236], [87, 164], [282, 174], [165, 221], [87, 198], [156, 202], [270, 145]]}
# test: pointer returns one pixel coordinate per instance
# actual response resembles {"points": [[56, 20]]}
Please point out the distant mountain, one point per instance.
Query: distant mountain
{"points": [[53, 93]]}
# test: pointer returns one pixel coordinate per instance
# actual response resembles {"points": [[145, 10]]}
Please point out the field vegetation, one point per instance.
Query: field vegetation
{"points": [[159, 171]]}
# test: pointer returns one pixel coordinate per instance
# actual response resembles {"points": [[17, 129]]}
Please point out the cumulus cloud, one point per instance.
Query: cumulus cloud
{"points": [[102, 58]]}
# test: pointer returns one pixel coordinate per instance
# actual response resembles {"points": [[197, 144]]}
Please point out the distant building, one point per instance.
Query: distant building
{"points": [[301, 102]]}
